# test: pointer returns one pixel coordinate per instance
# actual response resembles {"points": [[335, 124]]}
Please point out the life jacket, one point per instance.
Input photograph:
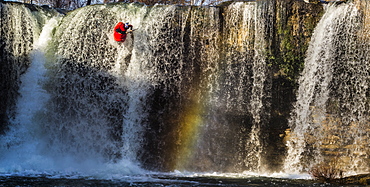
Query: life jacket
{"points": [[119, 32]]}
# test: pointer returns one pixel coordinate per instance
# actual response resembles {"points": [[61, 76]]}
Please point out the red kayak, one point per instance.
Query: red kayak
{"points": [[120, 31]]}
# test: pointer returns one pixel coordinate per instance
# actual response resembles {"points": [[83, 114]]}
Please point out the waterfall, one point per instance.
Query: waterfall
{"points": [[14, 53], [87, 113], [189, 85], [190, 89], [258, 105], [23, 135], [230, 138], [331, 113]]}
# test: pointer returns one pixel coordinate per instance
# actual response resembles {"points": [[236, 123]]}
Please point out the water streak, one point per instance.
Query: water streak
{"points": [[21, 143], [331, 98]]}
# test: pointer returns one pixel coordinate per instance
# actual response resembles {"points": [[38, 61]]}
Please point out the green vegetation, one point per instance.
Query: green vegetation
{"points": [[295, 23]]}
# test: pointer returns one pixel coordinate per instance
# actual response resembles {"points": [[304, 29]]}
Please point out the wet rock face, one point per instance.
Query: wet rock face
{"points": [[294, 25]]}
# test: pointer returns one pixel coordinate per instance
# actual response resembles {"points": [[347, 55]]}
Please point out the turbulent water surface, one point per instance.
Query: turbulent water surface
{"points": [[161, 179]]}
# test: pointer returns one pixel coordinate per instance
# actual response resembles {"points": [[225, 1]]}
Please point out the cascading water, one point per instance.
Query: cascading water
{"points": [[23, 136], [162, 98], [96, 89], [14, 52], [331, 113], [189, 90], [258, 104], [229, 138]]}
